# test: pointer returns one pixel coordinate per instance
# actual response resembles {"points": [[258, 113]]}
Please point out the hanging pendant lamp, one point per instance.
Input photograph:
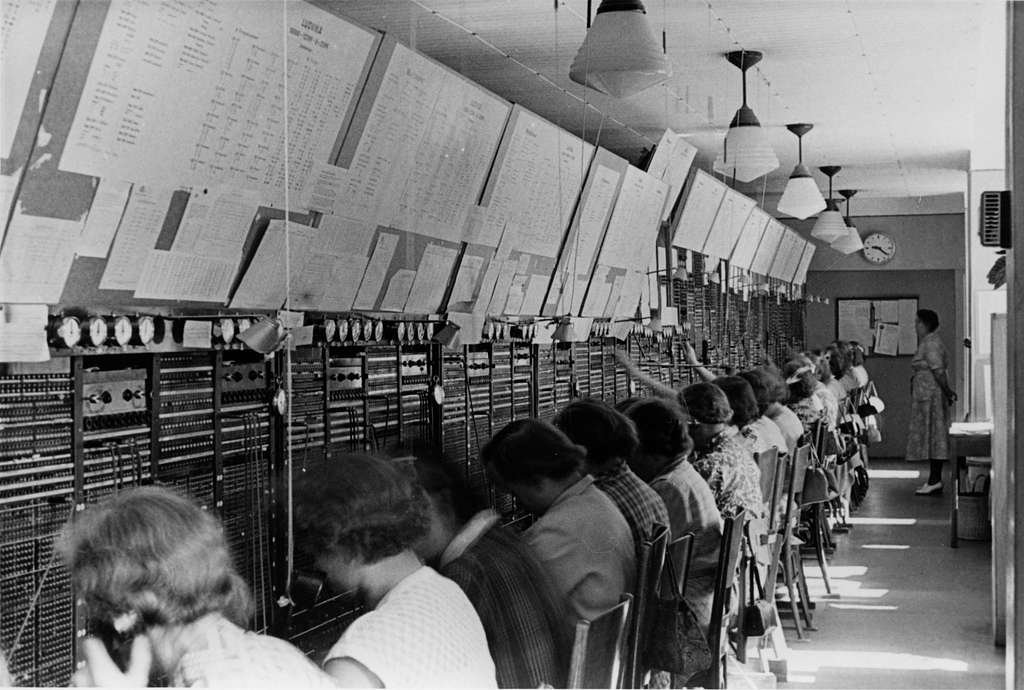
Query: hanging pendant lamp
{"points": [[850, 242], [620, 56], [746, 155], [801, 198], [830, 225]]}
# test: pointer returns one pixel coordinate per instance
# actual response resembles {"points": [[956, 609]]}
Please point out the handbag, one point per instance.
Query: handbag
{"points": [[872, 404], [759, 613], [677, 643]]}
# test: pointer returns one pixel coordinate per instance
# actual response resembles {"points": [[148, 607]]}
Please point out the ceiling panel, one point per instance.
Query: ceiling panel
{"points": [[889, 86]]}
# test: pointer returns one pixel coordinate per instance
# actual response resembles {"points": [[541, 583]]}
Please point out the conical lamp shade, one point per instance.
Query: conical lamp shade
{"points": [[747, 153], [830, 225], [801, 198], [620, 56], [848, 243]]}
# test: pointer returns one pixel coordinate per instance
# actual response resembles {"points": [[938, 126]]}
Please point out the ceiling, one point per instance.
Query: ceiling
{"points": [[889, 85]]}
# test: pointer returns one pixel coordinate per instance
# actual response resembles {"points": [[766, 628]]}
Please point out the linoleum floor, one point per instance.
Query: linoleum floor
{"points": [[912, 612]]}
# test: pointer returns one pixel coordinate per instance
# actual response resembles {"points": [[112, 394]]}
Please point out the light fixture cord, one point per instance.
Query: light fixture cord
{"points": [[288, 305]]}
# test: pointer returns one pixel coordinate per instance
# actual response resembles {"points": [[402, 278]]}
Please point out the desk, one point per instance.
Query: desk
{"points": [[965, 439]]}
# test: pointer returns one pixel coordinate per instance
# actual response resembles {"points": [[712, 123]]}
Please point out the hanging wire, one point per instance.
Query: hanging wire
{"points": [[290, 560]]}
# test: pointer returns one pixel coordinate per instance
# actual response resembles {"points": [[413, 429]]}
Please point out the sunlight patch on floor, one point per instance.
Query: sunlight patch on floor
{"points": [[806, 661], [881, 521], [863, 607], [886, 547], [894, 474]]}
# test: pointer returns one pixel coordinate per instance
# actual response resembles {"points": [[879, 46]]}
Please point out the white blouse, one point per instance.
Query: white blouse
{"points": [[424, 633]]}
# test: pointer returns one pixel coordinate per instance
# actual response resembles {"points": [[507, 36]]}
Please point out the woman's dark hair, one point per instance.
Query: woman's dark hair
{"points": [[364, 506], [606, 434], [800, 378], [856, 354], [707, 403], [838, 359], [152, 552], [447, 482], [769, 386], [528, 450], [661, 426], [928, 318], [741, 399]]}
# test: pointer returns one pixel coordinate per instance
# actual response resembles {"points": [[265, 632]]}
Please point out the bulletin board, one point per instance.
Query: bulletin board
{"points": [[883, 325]]}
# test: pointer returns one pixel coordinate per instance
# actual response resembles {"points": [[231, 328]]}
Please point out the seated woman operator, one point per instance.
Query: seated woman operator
{"points": [[359, 517], [153, 568]]}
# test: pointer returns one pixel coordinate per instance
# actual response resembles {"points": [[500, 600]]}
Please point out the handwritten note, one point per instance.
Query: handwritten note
{"points": [[887, 339], [136, 236], [398, 290], [170, 275], [197, 334], [36, 258], [104, 216]]}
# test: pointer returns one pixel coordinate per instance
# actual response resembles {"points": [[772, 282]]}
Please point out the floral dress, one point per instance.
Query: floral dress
{"points": [[929, 414], [728, 466]]}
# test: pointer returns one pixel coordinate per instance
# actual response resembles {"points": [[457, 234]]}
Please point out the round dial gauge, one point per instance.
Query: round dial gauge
{"points": [[400, 331], [123, 330], [421, 331], [879, 248], [99, 330], [280, 401], [330, 329], [146, 328], [343, 329], [356, 327], [489, 330], [69, 332], [227, 330], [378, 331]]}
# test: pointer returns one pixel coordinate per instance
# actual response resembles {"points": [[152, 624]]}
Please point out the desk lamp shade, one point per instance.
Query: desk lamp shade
{"points": [[620, 56], [830, 225], [850, 242], [746, 154], [801, 198]]}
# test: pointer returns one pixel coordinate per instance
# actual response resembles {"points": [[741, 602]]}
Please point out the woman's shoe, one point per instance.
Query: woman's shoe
{"points": [[927, 489]]}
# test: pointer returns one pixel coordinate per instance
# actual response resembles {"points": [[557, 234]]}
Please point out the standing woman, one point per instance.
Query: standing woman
{"points": [[932, 397]]}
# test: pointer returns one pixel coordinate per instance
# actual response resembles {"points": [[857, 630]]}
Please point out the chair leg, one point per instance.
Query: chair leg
{"points": [[787, 573], [819, 547], [805, 596]]}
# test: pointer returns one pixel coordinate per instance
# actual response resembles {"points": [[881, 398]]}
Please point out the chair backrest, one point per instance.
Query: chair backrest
{"points": [[725, 576], [652, 561], [768, 462], [801, 461], [597, 650], [784, 526], [677, 567]]}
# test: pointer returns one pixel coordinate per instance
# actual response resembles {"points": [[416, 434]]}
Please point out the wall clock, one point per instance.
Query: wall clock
{"points": [[879, 248]]}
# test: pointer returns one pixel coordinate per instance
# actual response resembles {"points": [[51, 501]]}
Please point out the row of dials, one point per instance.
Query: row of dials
{"points": [[376, 330]]}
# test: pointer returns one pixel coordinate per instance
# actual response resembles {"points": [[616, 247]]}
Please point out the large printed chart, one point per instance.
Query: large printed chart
{"points": [[194, 93]]}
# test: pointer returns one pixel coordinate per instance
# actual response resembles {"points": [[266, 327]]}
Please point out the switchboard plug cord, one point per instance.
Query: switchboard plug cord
{"points": [[33, 603]]}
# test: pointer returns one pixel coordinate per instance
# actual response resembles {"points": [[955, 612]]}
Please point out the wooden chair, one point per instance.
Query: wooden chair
{"points": [[598, 648], [728, 563], [768, 461], [677, 567], [652, 560], [791, 561]]}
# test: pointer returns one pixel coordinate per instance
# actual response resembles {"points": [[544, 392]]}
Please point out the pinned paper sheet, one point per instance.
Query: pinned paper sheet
{"points": [[302, 336], [24, 31], [36, 258], [290, 318], [887, 339], [431, 280], [104, 216], [23, 333], [376, 272], [180, 276], [197, 334], [907, 309], [887, 311], [398, 290]]}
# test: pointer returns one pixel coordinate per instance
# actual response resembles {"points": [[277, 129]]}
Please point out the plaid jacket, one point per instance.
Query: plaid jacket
{"points": [[523, 617], [639, 503]]}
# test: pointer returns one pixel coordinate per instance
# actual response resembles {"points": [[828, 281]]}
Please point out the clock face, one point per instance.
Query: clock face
{"points": [[122, 330], [147, 329], [98, 330], [879, 248], [70, 331], [227, 330]]}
